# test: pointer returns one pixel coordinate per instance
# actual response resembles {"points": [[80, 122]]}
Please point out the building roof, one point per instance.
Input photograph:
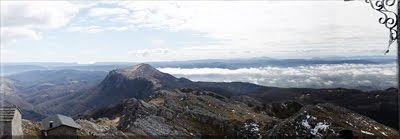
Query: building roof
{"points": [[59, 120], [7, 113]]}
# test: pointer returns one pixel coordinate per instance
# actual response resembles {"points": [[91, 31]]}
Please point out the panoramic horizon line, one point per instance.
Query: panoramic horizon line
{"points": [[357, 57]]}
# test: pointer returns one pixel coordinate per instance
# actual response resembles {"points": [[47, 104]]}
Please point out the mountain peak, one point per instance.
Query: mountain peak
{"points": [[141, 66], [138, 81], [140, 70]]}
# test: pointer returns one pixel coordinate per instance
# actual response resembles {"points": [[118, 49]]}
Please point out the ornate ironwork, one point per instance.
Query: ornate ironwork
{"points": [[389, 18]]}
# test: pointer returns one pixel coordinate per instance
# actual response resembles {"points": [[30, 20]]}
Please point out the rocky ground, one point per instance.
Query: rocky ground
{"points": [[31, 129], [327, 120], [191, 113], [100, 128]]}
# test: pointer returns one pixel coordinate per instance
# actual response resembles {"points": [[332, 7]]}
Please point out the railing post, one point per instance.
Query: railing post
{"points": [[398, 65]]}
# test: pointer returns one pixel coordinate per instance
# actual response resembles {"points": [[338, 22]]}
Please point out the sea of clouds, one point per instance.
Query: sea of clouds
{"points": [[356, 76]]}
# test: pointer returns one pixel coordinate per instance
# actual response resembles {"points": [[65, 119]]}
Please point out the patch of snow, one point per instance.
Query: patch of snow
{"points": [[305, 124], [284, 106], [383, 133], [319, 127], [366, 132], [254, 129], [349, 123], [314, 118]]}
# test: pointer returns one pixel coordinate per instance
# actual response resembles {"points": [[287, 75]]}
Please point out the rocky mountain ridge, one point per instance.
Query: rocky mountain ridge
{"points": [[194, 113]]}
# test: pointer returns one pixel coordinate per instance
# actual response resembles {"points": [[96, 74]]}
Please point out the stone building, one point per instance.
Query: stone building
{"points": [[60, 125], [10, 123]]}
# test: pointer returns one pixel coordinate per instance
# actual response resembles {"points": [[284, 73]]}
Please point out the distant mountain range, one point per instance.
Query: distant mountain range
{"points": [[11, 68]]}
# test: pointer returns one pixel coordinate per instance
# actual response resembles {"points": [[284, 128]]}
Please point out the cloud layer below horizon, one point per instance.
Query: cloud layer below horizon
{"points": [[357, 76]]}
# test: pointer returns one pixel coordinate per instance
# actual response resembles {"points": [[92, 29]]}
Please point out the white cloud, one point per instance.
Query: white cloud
{"points": [[36, 14], [315, 76], [51, 53], [14, 33], [157, 42], [22, 19], [89, 29], [144, 53], [122, 19], [288, 26], [123, 28], [85, 4], [107, 11]]}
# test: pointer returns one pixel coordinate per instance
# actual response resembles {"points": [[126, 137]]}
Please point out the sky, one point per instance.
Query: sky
{"points": [[138, 31]]}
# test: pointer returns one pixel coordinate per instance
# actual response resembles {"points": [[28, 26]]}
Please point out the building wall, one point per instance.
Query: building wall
{"points": [[5, 128], [62, 131], [17, 131], [13, 128]]}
